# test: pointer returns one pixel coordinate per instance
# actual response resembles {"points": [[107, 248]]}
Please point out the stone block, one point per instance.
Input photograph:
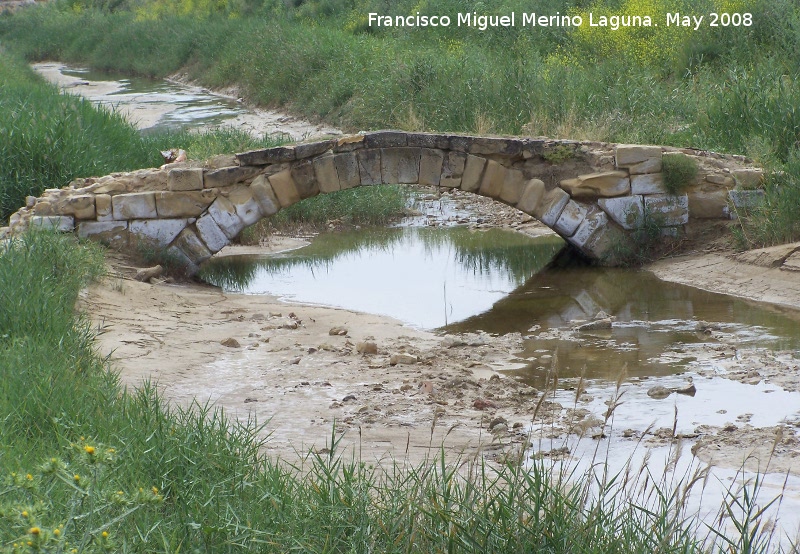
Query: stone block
{"points": [[228, 176], [247, 208], [709, 204], [347, 170], [385, 139], [792, 263], [325, 171], [186, 262], [185, 178], [601, 245], [305, 178], [224, 213], [349, 144], [586, 230], [495, 145], [160, 232], [114, 233], [111, 186], [473, 172], [598, 185], [668, 210], [743, 199], [652, 183], [428, 140], [312, 149], [369, 166], [192, 246], [550, 207], [284, 188], [400, 165], [278, 154], [533, 193], [81, 206], [571, 217], [626, 211], [493, 177], [102, 203], [136, 205], [750, 178], [211, 234], [452, 169], [44, 207], [632, 154], [264, 195], [653, 165], [183, 204], [430, 167], [62, 223], [722, 180], [513, 187]]}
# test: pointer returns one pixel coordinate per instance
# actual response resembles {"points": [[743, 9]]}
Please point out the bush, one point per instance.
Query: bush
{"points": [[679, 170]]}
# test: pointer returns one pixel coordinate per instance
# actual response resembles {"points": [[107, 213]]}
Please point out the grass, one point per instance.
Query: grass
{"points": [[679, 171], [85, 464]]}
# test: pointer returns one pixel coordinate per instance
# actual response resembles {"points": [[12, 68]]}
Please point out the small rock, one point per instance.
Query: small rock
{"points": [[295, 361], [601, 315], [425, 387], [275, 314], [482, 404], [597, 325], [628, 433], [341, 331], [658, 392], [247, 400], [688, 389], [289, 325], [257, 317], [147, 273], [452, 342], [497, 421], [349, 398], [499, 429], [231, 342], [366, 347], [311, 350], [402, 358]]}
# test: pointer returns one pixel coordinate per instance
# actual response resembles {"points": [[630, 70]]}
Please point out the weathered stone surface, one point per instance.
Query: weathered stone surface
{"points": [[111, 186], [347, 170], [452, 169], [385, 139], [325, 171], [584, 237], [183, 204], [211, 234], [189, 266], [305, 178], [430, 167], [43, 207], [748, 178], [369, 166], [268, 156], [220, 161], [192, 246], [593, 185], [792, 263], [631, 154], [81, 206], [228, 176], [185, 179], [626, 211], [495, 145], [160, 232], [246, 206], [653, 165], [114, 233], [773, 256], [310, 149], [711, 204], [745, 199], [723, 180], [400, 165], [550, 206], [62, 223], [264, 195], [652, 183], [349, 144], [533, 193], [102, 204], [493, 178], [224, 213], [513, 187], [571, 217], [668, 210], [428, 140], [135, 205], [284, 188], [473, 171]]}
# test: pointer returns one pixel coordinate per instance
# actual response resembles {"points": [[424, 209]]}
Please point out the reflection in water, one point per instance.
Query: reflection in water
{"points": [[651, 317], [426, 277]]}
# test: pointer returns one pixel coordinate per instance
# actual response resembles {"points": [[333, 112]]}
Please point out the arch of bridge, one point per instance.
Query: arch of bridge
{"points": [[592, 194]]}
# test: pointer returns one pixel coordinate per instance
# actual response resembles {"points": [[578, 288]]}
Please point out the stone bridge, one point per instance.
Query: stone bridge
{"points": [[592, 194]]}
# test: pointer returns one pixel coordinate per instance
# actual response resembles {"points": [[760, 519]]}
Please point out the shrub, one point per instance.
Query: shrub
{"points": [[679, 170]]}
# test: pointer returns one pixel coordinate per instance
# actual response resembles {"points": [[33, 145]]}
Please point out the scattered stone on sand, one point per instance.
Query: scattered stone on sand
{"points": [[426, 387], [483, 404], [147, 273], [402, 358], [449, 341], [366, 347], [498, 421], [248, 400], [658, 392], [338, 331], [231, 342], [295, 361], [688, 388], [596, 325]]}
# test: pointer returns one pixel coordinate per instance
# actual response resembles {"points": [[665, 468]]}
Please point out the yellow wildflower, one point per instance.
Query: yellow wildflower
{"points": [[29, 477], [77, 478], [35, 531], [105, 534], [89, 450], [25, 513]]}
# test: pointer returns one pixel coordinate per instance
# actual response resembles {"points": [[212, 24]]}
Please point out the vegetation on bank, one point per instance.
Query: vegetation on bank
{"points": [[86, 466]]}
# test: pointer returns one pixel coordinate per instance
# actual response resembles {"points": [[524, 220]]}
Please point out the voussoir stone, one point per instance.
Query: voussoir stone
{"points": [[160, 232], [493, 177], [400, 165], [224, 213], [550, 206], [325, 171], [369, 166], [430, 167], [305, 179], [211, 234], [513, 187], [590, 225], [347, 169], [473, 172], [626, 211], [246, 206], [264, 195], [533, 193], [284, 188], [571, 217], [593, 185], [192, 246]]}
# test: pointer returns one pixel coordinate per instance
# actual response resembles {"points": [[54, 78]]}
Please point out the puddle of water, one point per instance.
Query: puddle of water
{"points": [[424, 277]]}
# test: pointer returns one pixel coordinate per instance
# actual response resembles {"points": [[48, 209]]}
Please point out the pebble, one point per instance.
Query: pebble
{"points": [[231, 342]]}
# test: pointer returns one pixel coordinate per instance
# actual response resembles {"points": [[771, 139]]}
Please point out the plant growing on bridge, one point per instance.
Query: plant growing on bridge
{"points": [[679, 171]]}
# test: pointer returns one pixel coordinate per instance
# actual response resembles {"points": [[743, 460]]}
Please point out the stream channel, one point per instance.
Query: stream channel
{"points": [[462, 279]]}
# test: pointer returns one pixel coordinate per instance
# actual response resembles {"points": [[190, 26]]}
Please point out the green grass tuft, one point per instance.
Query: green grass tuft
{"points": [[679, 170]]}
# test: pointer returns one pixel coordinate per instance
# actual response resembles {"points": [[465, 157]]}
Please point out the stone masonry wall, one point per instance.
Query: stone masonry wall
{"points": [[592, 194]]}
